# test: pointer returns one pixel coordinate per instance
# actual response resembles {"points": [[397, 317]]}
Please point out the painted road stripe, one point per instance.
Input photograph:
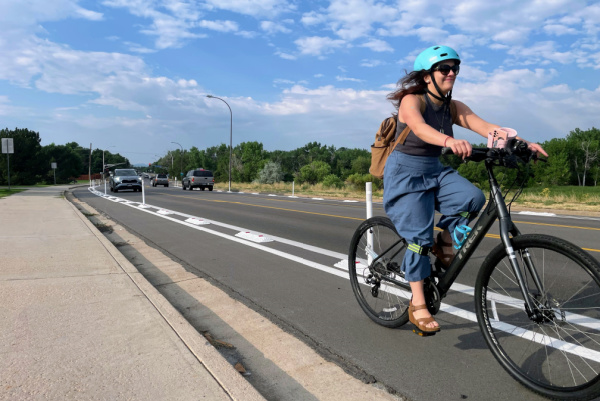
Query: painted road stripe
{"points": [[505, 327]]}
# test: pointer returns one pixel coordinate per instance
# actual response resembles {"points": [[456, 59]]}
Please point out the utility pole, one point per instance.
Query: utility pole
{"points": [[90, 166]]}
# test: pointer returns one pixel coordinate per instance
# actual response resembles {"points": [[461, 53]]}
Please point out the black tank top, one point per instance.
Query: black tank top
{"points": [[433, 116]]}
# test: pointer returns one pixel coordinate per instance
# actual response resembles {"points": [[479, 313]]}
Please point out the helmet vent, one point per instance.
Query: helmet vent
{"points": [[443, 54], [435, 48]]}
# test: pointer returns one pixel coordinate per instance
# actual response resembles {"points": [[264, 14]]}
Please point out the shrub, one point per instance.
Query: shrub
{"points": [[359, 181], [333, 181], [270, 173], [314, 172]]}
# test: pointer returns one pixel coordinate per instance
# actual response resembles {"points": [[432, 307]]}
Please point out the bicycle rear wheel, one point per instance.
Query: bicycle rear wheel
{"points": [[556, 354], [374, 260]]}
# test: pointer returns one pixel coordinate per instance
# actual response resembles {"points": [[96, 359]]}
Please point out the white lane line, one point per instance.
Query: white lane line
{"points": [[545, 214], [467, 315]]}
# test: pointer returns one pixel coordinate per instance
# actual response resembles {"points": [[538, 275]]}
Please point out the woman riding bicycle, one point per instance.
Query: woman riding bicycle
{"points": [[417, 184]]}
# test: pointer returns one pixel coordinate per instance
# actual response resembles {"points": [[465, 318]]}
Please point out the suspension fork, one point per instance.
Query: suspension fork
{"points": [[533, 273], [507, 227]]}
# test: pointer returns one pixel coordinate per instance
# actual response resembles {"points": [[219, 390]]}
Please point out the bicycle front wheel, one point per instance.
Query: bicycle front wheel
{"points": [[557, 352], [374, 260]]}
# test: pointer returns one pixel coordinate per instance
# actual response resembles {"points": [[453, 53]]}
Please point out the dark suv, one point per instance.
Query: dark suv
{"points": [[198, 178]]}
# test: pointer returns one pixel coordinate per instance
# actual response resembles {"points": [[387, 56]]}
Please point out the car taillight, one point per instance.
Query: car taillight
{"points": [[192, 179]]}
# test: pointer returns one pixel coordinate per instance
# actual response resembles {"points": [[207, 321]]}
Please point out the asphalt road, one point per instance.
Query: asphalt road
{"points": [[293, 281]]}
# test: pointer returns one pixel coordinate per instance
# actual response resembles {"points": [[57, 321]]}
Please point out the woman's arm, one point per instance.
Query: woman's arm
{"points": [[468, 119]]}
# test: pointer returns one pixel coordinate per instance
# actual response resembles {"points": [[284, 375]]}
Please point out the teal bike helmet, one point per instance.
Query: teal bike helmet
{"points": [[433, 55]]}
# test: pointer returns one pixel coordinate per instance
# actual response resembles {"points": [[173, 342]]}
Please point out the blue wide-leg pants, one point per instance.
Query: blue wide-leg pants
{"points": [[414, 188]]}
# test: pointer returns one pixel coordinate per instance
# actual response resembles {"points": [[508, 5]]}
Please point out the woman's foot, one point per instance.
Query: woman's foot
{"points": [[422, 319], [443, 250]]}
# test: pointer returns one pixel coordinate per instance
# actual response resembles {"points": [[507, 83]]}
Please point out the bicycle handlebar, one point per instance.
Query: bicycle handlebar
{"points": [[508, 156]]}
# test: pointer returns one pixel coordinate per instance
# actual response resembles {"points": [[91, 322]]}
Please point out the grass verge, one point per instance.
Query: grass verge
{"points": [[6, 192]]}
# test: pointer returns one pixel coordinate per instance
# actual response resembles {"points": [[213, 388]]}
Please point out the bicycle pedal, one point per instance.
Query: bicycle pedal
{"points": [[424, 334]]}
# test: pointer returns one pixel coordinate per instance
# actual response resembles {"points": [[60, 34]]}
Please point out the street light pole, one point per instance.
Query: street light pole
{"points": [[180, 161], [230, 134]]}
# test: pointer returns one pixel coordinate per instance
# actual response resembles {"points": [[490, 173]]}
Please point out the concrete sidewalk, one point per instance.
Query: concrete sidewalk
{"points": [[78, 321]]}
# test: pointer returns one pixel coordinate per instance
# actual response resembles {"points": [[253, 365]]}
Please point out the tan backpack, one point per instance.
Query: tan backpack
{"points": [[386, 142]]}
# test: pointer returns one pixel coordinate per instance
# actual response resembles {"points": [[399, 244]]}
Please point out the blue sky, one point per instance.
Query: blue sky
{"points": [[134, 74]]}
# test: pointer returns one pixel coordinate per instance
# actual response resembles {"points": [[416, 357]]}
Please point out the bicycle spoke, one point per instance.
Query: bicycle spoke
{"points": [[374, 261], [556, 345]]}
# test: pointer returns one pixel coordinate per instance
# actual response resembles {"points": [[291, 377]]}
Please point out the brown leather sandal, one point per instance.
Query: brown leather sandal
{"points": [[442, 260], [421, 324]]}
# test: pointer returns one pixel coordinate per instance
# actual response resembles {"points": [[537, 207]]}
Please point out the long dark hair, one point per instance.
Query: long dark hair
{"points": [[412, 83]]}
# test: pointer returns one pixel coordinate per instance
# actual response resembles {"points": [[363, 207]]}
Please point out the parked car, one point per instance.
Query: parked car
{"points": [[125, 178], [198, 178], [160, 179]]}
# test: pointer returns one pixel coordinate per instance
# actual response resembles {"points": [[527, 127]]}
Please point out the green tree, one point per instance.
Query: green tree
{"points": [[288, 162], [343, 159], [27, 164], [68, 160], [200, 159], [476, 173], [249, 160], [583, 149], [361, 165], [217, 161], [556, 171], [314, 172]]}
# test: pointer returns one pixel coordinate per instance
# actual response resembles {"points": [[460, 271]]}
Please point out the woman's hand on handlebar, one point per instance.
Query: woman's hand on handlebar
{"points": [[460, 147], [534, 147]]}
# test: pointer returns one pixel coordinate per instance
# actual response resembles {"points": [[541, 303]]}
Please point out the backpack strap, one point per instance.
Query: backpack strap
{"points": [[406, 130]]}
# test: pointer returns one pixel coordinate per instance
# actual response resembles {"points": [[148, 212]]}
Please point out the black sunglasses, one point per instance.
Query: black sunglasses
{"points": [[445, 69]]}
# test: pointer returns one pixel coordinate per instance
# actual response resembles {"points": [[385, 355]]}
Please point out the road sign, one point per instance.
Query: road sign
{"points": [[7, 145], [53, 165]]}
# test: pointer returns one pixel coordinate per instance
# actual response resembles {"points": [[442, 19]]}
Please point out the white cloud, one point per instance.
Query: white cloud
{"points": [[342, 79], [317, 45], [220, 26], [372, 63], [170, 29], [21, 14], [136, 48], [254, 8], [352, 19], [378, 45], [313, 18], [286, 56], [559, 30], [271, 27], [541, 52]]}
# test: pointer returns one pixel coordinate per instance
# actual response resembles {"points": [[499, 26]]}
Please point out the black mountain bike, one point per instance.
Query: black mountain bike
{"points": [[537, 297]]}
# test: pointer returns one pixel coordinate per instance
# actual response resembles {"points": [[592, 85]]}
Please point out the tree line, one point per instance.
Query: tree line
{"points": [[573, 160], [31, 162]]}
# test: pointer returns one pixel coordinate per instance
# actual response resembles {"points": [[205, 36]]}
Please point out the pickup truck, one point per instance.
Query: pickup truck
{"points": [[198, 178]]}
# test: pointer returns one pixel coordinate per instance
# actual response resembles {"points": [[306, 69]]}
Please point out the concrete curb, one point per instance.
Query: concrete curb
{"points": [[228, 378]]}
